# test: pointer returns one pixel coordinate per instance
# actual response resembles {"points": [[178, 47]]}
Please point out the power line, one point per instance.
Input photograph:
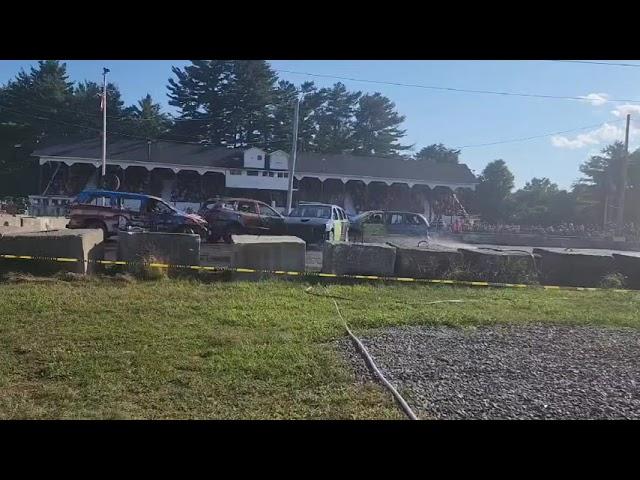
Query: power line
{"points": [[593, 62], [452, 89], [524, 139]]}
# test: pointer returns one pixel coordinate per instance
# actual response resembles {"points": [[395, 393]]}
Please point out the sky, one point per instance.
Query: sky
{"points": [[605, 94]]}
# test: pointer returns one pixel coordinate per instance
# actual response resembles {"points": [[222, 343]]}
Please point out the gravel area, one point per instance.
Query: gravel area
{"points": [[509, 372]]}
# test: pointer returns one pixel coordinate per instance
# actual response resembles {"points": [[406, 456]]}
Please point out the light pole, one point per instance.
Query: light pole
{"points": [[104, 123], [294, 151]]}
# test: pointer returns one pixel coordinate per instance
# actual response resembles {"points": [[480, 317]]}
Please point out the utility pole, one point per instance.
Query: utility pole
{"points": [[104, 123], [294, 151], [623, 178]]}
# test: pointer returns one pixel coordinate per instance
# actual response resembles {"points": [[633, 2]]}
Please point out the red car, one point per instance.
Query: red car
{"points": [[237, 216], [114, 211]]}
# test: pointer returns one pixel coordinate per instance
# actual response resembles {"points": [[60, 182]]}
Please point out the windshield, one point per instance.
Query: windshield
{"points": [[311, 211]]}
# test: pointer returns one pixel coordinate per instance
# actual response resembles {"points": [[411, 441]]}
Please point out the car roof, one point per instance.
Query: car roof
{"points": [[390, 211], [234, 199], [317, 204], [110, 193]]}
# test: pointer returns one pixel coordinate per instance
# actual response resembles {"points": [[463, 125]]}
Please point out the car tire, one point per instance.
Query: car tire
{"points": [[187, 229], [232, 230]]}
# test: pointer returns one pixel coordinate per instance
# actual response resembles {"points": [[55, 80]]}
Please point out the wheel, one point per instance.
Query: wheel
{"points": [[187, 229], [98, 225], [331, 236], [232, 230]]}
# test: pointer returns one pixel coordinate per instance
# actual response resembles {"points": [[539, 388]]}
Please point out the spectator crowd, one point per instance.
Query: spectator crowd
{"points": [[630, 230]]}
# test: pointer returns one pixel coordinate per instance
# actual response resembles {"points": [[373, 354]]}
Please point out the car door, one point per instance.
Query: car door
{"points": [[271, 221], [160, 216], [250, 217], [396, 223], [336, 224], [344, 221], [413, 224]]}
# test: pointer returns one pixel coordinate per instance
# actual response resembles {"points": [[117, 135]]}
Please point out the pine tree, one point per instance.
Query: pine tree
{"points": [[335, 119], [376, 127], [38, 102], [148, 120], [201, 94], [224, 102], [85, 110]]}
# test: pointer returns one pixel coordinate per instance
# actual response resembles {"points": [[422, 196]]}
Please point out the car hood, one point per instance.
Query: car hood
{"points": [[193, 216]]}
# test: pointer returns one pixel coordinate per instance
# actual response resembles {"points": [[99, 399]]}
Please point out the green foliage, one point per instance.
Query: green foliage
{"points": [[540, 202], [438, 153], [613, 280], [496, 183], [376, 128], [148, 120]]}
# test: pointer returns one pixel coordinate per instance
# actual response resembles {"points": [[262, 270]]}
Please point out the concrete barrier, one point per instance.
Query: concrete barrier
{"points": [[21, 223], [629, 266], [358, 258], [585, 268], [172, 248], [430, 262], [80, 244], [283, 253], [502, 266], [10, 220], [542, 241]]}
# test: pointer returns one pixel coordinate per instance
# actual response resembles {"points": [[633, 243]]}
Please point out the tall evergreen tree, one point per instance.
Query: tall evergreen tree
{"points": [[200, 91], [85, 110], [335, 118], [148, 119], [376, 129], [38, 102], [224, 102]]}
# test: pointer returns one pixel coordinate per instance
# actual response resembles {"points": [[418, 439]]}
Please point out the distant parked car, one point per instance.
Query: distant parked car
{"points": [[236, 216], [316, 222], [113, 211], [389, 223]]}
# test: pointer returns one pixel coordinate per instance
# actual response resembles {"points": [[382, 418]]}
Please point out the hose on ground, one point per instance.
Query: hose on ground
{"points": [[363, 350]]}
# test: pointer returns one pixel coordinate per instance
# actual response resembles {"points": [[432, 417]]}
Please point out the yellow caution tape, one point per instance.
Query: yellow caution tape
{"points": [[314, 274]]}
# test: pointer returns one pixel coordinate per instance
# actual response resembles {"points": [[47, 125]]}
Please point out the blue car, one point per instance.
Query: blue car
{"points": [[113, 211]]}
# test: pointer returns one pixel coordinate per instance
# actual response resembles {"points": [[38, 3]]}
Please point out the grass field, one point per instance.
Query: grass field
{"points": [[103, 348]]}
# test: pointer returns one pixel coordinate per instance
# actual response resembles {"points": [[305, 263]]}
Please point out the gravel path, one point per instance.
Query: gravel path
{"points": [[508, 372]]}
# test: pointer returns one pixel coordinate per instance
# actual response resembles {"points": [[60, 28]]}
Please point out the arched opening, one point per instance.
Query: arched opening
{"points": [[355, 198]]}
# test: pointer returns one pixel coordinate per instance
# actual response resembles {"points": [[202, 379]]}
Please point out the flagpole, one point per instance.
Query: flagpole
{"points": [[104, 123]]}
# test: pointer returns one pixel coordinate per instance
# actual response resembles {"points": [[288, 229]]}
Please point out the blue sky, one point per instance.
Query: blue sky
{"points": [[452, 118]]}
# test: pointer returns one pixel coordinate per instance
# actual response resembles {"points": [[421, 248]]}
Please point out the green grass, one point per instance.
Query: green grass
{"points": [[183, 349]]}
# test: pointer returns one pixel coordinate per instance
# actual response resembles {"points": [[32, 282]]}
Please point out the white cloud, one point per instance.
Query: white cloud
{"points": [[621, 111], [596, 99], [607, 133]]}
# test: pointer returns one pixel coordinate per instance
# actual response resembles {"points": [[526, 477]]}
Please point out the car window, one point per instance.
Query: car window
{"points": [[342, 215], [154, 206], [334, 213], [99, 200], [311, 211], [375, 218], [268, 211], [396, 219], [414, 220], [132, 204], [247, 207]]}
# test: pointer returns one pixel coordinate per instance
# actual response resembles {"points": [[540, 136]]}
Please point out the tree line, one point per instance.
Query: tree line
{"points": [[231, 103], [541, 202]]}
